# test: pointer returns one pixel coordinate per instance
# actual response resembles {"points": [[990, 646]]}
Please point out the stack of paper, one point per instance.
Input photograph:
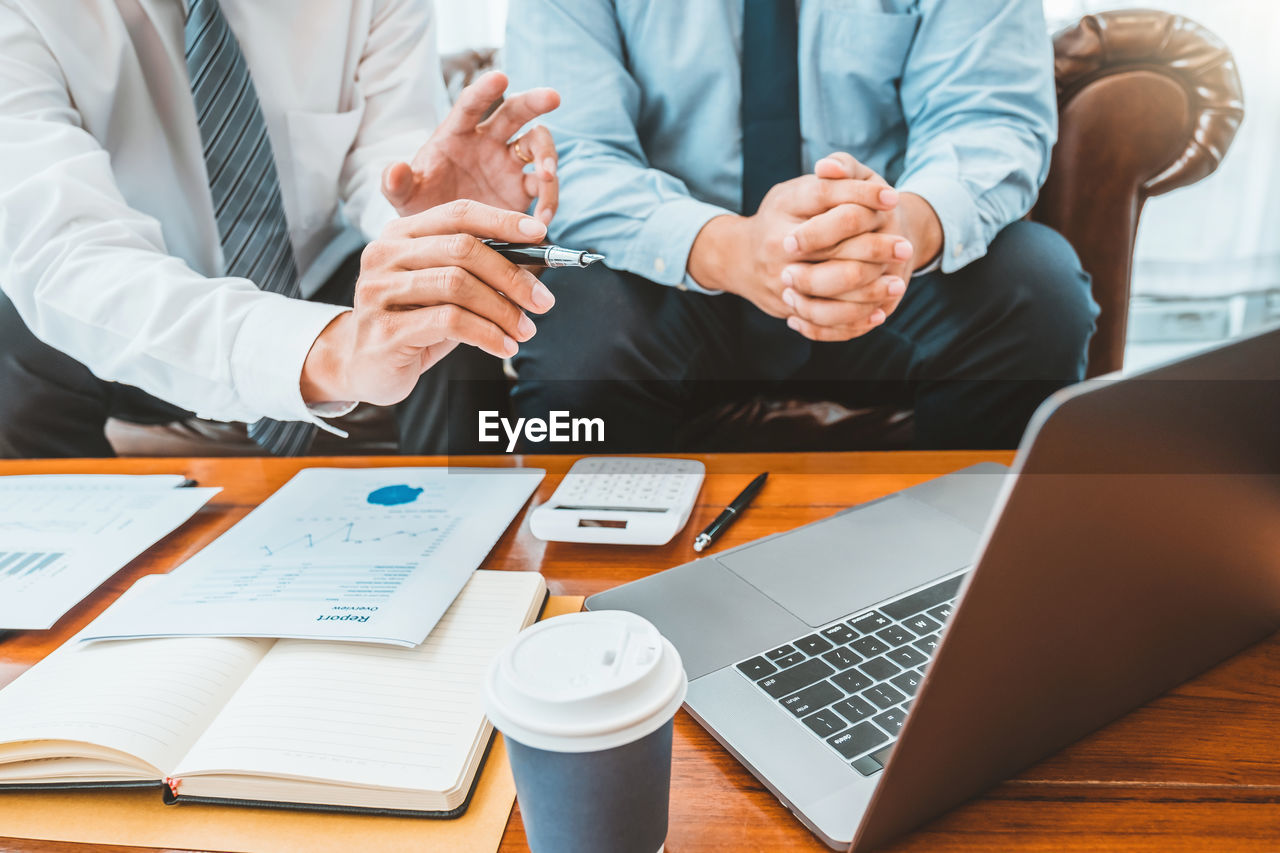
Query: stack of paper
{"points": [[62, 536]]}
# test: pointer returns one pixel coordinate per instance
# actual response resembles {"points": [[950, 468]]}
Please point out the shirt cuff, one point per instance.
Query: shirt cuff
{"points": [[962, 238], [269, 352], [331, 410], [660, 252], [933, 265]]}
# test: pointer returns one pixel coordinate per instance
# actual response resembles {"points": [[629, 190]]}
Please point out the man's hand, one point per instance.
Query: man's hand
{"points": [[469, 156], [426, 286], [750, 256], [832, 252], [830, 299]]}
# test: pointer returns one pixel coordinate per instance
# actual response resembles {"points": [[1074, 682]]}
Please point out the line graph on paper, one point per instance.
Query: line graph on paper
{"points": [[330, 558], [358, 533], [35, 526], [395, 521]]}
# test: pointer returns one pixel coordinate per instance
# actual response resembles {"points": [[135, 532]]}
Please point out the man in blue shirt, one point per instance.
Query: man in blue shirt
{"points": [[821, 193]]}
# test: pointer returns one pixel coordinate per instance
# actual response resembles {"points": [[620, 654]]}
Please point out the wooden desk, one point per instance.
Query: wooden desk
{"points": [[1198, 769]]}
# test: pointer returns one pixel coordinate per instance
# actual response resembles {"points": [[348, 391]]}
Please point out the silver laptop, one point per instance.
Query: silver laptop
{"points": [[878, 667]]}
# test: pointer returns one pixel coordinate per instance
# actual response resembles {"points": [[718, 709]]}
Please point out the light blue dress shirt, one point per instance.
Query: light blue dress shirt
{"points": [[951, 99]]}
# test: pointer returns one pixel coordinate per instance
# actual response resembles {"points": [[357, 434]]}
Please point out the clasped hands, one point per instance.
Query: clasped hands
{"points": [[832, 252]]}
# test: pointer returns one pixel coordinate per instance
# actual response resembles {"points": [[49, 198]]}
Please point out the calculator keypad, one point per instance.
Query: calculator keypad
{"points": [[629, 484]]}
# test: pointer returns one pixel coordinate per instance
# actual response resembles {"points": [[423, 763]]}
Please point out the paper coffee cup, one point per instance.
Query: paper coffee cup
{"points": [[586, 703]]}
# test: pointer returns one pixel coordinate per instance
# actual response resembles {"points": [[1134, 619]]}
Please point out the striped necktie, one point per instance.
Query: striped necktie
{"points": [[243, 180]]}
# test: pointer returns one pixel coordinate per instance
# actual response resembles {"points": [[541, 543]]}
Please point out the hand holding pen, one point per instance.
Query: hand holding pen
{"points": [[428, 284]]}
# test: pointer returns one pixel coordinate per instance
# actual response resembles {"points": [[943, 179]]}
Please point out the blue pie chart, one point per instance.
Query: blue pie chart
{"points": [[394, 495]]}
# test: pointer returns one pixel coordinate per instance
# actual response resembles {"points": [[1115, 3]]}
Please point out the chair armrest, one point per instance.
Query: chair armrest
{"points": [[1149, 102]]}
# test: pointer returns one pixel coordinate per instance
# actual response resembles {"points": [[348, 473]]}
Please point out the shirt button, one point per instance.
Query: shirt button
{"points": [[959, 249], [659, 266], [681, 288]]}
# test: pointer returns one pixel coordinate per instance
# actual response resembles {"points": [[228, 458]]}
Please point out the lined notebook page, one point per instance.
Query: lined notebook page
{"points": [[371, 716], [150, 699]]}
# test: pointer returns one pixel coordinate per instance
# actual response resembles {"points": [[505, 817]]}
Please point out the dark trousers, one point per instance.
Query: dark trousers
{"points": [[974, 353], [53, 406]]}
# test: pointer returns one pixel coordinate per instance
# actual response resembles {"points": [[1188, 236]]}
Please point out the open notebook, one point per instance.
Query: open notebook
{"points": [[302, 723]]}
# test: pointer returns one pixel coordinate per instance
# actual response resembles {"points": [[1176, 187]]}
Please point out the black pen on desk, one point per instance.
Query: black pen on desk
{"points": [[730, 514], [543, 256]]}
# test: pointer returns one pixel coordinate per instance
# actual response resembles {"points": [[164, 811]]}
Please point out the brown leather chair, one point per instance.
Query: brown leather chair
{"points": [[1149, 102]]}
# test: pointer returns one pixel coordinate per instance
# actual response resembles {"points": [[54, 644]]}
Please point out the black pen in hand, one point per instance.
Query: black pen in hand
{"points": [[543, 256], [730, 514]]}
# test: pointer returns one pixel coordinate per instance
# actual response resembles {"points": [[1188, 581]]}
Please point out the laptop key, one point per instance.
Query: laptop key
{"points": [[796, 678], [906, 657], [855, 710], [894, 635], [918, 602], [842, 658], [928, 644], [883, 696], [867, 765], [891, 721], [880, 668], [942, 612], [813, 644], [790, 660], [868, 647], [921, 625], [812, 698], [756, 668], [780, 652], [825, 722], [840, 634], [873, 621], [907, 682], [858, 740], [852, 681]]}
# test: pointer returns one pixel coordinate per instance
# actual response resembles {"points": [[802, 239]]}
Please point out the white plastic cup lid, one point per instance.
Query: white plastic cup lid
{"points": [[585, 682]]}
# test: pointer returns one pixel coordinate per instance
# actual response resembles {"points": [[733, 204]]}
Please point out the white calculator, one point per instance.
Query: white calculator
{"points": [[618, 500]]}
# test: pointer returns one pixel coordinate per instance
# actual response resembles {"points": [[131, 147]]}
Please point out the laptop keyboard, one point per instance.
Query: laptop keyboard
{"points": [[852, 682]]}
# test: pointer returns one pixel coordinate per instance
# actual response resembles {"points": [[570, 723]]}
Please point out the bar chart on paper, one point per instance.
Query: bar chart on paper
{"points": [[362, 555], [61, 537]]}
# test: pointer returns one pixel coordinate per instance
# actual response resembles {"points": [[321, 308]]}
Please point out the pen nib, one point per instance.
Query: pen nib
{"points": [[588, 258]]}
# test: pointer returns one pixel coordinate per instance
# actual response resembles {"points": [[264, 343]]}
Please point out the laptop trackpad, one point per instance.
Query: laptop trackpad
{"points": [[827, 570], [708, 614]]}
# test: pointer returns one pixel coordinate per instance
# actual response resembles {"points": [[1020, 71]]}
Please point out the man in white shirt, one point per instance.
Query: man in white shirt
{"points": [[184, 186]]}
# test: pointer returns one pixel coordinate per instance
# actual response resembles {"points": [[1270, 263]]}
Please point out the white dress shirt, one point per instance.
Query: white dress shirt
{"points": [[108, 243]]}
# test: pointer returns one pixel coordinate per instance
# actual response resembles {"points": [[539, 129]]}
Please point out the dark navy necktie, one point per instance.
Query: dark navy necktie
{"points": [[243, 181], [770, 98], [771, 153]]}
